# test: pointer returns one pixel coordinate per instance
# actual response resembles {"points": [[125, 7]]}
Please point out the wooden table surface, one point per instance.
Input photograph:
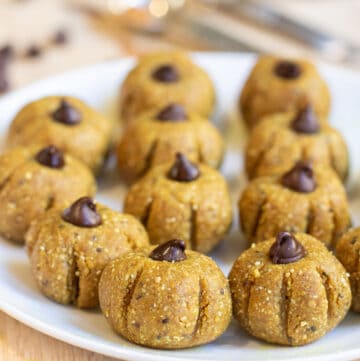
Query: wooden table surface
{"points": [[21, 343], [17, 341]]}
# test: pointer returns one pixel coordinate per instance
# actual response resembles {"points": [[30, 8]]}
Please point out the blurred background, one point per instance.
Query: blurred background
{"points": [[43, 37]]}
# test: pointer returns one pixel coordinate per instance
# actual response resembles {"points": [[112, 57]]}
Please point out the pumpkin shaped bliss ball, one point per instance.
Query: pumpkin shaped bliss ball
{"points": [[281, 85], [66, 122], [166, 77], [306, 198], [184, 200], [289, 290], [68, 249], [165, 297], [155, 137], [282, 139], [35, 180], [348, 253]]}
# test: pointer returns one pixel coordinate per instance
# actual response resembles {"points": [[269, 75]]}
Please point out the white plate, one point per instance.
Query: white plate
{"points": [[97, 85]]}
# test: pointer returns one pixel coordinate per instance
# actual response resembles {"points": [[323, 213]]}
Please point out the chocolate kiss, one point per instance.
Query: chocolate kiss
{"points": [[171, 251], [286, 249], [287, 69], [66, 114], [183, 170], [166, 73], [173, 112], [82, 213], [305, 121], [51, 157], [300, 178]]}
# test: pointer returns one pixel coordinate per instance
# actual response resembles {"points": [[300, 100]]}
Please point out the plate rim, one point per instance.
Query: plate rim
{"points": [[129, 353]]}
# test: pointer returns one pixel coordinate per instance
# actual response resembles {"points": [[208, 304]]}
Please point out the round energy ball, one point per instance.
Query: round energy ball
{"points": [[166, 77], [282, 139], [34, 181], [68, 249], [304, 199], [280, 85], [348, 253], [183, 200], [155, 138], [66, 122], [289, 290], [166, 297]]}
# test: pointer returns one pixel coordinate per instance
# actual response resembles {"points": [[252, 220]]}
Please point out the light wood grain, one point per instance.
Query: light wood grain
{"points": [[21, 343]]}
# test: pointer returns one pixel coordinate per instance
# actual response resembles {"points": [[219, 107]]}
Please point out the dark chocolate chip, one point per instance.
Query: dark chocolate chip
{"points": [[165, 320], [306, 121], [4, 83], [300, 178], [51, 157], [173, 112], [171, 251], [183, 170], [353, 241], [287, 69], [82, 213], [33, 51], [66, 114], [286, 249], [60, 37], [166, 73], [6, 53]]}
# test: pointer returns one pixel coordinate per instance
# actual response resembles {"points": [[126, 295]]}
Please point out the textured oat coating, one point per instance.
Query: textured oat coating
{"points": [[348, 253], [67, 260], [148, 142], [273, 147], [265, 93], [289, 304], [164, 304], [266, 207], [199, 212], [28, 189], [140, 92], [88, 141]]}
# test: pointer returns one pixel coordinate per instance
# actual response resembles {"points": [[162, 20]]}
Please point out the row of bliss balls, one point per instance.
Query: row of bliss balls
{"points": [[170, 296]]}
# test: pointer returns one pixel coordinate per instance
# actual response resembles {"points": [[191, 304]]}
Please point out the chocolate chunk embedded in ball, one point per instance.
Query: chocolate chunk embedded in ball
{"points": [[183, 170], [171, 251], [82, 213], [66, 114], [286, 249], [51, 157], [300, 178], [287, 69], [166, 73], [306, 121], [173, 112]]}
